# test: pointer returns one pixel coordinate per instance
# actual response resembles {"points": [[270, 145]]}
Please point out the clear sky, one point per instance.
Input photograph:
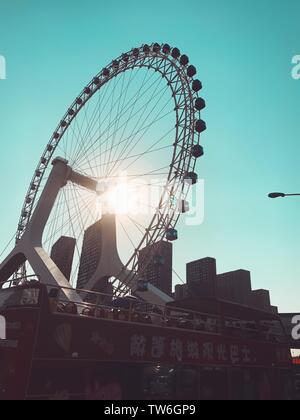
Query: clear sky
{"points": [[243, 52]]}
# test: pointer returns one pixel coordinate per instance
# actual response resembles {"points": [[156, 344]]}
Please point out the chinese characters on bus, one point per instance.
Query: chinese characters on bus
{"points": [[179, 350]]}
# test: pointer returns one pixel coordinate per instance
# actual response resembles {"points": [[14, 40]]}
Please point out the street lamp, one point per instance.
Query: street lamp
{"points": [[282, 195]]}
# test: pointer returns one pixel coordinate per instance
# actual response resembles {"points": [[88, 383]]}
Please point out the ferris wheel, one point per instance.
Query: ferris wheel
{"points": [[135, 128]]}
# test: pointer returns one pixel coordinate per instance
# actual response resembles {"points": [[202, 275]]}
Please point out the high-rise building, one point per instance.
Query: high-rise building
{"points": [[159, 271], [181, 291], [62, 254], [235, 286], [201, 278], [90, 255], [261, 299]]}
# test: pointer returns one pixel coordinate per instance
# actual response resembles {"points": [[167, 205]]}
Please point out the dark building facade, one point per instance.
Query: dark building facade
{"points": [[90, 255], [160, 270], [201, 278], [261, 299], [181, 292], [235, 286], [62, 254]]}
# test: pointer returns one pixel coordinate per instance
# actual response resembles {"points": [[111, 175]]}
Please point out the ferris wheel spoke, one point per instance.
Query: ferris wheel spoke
{"points": [[116, 117], [150, 151], [141, 121], [61, 212], [134, 177], [111, 119], [88, 131], [137, 225], [132, 113], [86, 204], [82, 149], [142, 129], [146, 206], [76, 140], [138, 141], [98, 109], [79, 209], [95, 125], [99, 130], [135, 155], [119, 117], [126, 234], [79, 126], [100, 101], [78, 150], [122, 126], [120, 160]]}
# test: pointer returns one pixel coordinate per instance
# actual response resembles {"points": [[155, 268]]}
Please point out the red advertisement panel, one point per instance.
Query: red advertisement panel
{"points": [[89, 339]]}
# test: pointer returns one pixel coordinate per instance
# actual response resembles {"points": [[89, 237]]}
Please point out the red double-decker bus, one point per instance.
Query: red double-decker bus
{"points": [[128, 350]]}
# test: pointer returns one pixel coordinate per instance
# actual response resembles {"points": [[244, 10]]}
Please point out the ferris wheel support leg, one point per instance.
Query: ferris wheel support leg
{"points": [[41, 264], [30, 246], [57, 180], [11, 264], [50, 274], [110, 265]]}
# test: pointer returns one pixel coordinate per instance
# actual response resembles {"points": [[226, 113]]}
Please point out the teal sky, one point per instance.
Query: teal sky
{"points": [[243, 52]]}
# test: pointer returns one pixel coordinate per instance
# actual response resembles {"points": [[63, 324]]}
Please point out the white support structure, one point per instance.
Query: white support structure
{"points": [[110, 265], [30, 246]]}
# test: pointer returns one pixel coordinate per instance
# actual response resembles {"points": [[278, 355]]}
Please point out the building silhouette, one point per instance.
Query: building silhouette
{"points": [[201, 278], [235, 286], [181, 292], [62, 254], [90, 254], [260, 299], [90, 258], [159, 271]]}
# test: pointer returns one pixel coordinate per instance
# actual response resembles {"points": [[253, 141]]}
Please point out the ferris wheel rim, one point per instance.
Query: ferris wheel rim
{"points": [[170, 65]]}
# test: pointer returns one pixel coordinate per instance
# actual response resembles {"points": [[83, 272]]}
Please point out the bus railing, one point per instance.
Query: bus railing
{"points": [[129, 309], [103, 306]]}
